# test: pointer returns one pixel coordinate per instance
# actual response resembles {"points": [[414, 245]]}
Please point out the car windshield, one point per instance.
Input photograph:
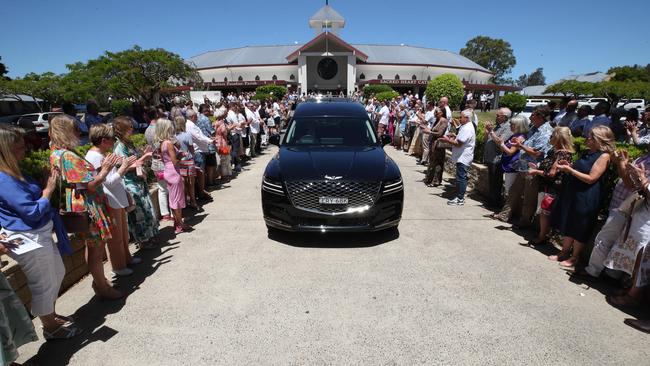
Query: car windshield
{"points": [[529, 108], [330, 131]]}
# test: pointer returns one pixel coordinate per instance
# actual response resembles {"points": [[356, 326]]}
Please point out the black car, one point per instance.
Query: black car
{"points": [[331, 173]]}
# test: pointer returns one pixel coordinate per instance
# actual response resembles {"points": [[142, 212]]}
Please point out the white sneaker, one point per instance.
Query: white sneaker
{"points": [[123, 272], [136, 260], [456, 202]]}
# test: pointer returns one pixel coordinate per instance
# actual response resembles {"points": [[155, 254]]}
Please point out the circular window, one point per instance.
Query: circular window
{"points": [[327, 68]]}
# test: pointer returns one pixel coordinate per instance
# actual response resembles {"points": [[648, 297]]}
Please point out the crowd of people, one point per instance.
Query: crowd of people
{"points": [[103, 198], [535, 183]]}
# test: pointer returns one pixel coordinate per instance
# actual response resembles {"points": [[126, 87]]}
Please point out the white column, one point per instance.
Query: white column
{"points": [[302, 73], [352, 73]]}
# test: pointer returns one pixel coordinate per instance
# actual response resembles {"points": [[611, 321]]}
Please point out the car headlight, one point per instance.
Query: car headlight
{"points": [[272, 186], [392, 186]]}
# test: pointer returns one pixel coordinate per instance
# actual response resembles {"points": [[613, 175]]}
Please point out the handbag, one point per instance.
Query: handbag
{"points": [[547, 202], [224, 150], [73, 221]]}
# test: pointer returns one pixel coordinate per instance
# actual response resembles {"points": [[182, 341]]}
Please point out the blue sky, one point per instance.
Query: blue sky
{"points": [[563, 37]]}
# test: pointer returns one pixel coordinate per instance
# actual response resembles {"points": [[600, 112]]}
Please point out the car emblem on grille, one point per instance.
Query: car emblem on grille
{"points": [[330, 177]]}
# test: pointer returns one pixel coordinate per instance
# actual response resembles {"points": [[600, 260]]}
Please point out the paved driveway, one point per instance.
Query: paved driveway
{"points": [[453, 288]]}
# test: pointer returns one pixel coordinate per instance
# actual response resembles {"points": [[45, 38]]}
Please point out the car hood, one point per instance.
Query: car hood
{"points": [[314, 163]]}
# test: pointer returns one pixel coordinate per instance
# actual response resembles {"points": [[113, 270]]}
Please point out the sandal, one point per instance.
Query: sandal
{"points": [[62, 332]]}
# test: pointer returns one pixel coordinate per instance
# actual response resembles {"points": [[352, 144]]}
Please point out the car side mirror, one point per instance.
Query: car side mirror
{"points": [[274, 140], [386, 140]]}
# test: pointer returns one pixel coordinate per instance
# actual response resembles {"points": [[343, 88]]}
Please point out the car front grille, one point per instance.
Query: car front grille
{"points": [[306, 194]]}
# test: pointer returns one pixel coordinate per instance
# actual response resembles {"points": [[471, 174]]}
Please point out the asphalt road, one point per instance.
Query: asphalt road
{"points": [[453, 288]]}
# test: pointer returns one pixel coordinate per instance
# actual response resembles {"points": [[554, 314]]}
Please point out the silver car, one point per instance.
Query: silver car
{"points": [[40, 121]]}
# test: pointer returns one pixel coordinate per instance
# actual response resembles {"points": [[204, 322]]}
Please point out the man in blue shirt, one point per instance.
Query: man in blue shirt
{"points": [[92, 116], [70, 110], [205, 125], [601, 118]]}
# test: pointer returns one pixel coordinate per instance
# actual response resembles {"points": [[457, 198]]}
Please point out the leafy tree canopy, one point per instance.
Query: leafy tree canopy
{"points": [[535, 78], [133, 73], [630, 73], [495, 55]]}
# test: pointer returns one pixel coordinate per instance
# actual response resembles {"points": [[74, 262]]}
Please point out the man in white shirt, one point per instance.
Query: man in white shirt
{"points": [[254, 124], [483, 99], [384, 114], [462, 153], [201, 147]]}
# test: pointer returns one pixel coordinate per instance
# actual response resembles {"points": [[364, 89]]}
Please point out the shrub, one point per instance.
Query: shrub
{"points": [[375, 89], [480, 142], [446, 85], [387, 95], [122, 107], [273, 91], [515, 102], [138, 140]]}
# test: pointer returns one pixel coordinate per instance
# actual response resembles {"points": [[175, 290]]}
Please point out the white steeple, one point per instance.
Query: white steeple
{"points": [[327, 20]]}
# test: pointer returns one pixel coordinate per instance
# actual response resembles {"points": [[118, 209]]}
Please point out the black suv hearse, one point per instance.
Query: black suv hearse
{"points": [[331, 173]]}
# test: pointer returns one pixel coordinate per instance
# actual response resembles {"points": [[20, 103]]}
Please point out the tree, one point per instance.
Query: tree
{"points": [[141, 74], [630, 73], [495, 55], [3, 71], [614, 91], [133, 73], [446, 85], [535, 78], [572, 87]]}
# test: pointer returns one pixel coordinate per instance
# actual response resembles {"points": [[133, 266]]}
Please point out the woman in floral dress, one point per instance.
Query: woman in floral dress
{"points": [[83, 192], [143, 226]]}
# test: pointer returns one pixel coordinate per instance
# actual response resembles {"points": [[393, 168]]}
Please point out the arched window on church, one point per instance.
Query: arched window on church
{"points": [[362, 77], [274, 77], [257, 78], [429, 78], [414, 77], [225, 80], [396, 77], [240, 78], [292, 77], [213, 80], [379, 77]]}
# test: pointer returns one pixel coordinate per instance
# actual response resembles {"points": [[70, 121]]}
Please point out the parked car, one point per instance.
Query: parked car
{"points": [[39, 120], [536, 102], [36, 126], [638, 104], [331, 173], [590, 102], [528, 110]]}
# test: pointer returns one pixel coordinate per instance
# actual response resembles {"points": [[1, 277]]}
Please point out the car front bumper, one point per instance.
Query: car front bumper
{"points": [[279, 213]]}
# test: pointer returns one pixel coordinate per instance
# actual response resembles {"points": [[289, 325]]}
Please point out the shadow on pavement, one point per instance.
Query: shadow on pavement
{"points": [[334, 240], [91, 316]]}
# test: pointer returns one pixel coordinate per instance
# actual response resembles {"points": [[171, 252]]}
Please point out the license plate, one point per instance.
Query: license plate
{"points": [[333, 200]]}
